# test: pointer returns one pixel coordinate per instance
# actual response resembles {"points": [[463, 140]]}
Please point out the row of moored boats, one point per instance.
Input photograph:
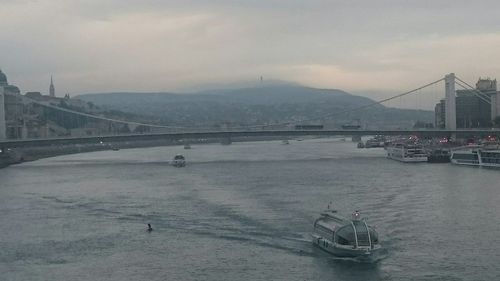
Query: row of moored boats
{"points": [[471, 156]]}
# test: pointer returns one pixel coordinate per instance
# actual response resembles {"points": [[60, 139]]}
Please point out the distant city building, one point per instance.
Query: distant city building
{"points": [[473, 107], [11, 111], [472, 111], [440, 115], [34, 95], [52, 90], [487, 86]]}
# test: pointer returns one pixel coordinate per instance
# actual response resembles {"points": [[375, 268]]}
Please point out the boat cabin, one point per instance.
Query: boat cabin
{"points": [[179, 157], [355, 232]]}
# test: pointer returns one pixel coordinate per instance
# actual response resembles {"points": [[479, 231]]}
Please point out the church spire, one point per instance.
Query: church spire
{"points": [[52, 90]]}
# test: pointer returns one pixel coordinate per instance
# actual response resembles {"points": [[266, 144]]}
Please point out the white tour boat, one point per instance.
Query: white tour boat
{"points": [[468, 157], [476, 157], [409, 153], [345, 237], [490, 158]]}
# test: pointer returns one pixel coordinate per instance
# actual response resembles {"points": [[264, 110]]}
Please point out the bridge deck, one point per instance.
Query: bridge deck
{"points": [[231, 134]]}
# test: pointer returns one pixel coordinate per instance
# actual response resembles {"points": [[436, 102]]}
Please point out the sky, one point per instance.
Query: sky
{"points": [[366, 47]]}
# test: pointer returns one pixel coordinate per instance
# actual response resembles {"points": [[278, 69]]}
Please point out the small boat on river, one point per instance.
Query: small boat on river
{"points": [[179, 161], [343, 237]]}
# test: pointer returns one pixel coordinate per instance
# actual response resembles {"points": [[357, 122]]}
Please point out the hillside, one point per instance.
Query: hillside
{"points": [[257, 105]]}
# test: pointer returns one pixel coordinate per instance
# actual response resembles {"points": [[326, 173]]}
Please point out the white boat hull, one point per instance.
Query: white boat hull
{"points": [[464, 163], [179, 163], [409, 159], [343, 251]]}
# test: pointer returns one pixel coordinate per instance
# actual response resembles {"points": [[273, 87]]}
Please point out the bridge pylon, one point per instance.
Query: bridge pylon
{"points": [[450, 102]]}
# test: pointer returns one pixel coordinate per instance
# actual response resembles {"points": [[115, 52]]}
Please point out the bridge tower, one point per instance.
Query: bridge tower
{"points": [[450, 102], [2, 115]]}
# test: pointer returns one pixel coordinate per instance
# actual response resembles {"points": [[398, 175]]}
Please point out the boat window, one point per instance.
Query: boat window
{"points": [[465, 156], [373, 236], [362, 233], [345, 236], [324, 231]]}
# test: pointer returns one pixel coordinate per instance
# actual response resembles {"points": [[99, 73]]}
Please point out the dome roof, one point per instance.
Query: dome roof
{"points": [[356, 233], [3, 78]]}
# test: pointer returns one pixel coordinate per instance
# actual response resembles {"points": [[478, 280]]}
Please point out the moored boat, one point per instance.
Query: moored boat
{"points": [[439, 155], [407, 152], [476, 157], [345, 237], [490, 158], [374, 143], [469, 157]]}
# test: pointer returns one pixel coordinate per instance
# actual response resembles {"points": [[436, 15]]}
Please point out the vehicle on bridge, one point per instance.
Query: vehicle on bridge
{"points": [[309, 127], [351, 127]]}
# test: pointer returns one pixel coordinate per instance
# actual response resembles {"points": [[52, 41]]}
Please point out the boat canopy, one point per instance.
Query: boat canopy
{"points": [[357, 233], [179, 157]]}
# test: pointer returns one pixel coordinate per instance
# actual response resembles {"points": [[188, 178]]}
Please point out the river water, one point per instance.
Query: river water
{"points": [[243, 212]]}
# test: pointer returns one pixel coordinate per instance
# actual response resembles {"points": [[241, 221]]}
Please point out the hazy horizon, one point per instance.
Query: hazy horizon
{"points": [[365, 48]]}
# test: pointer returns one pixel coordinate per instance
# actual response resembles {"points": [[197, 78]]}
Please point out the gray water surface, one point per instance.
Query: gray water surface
{"points": [[243, 212]]}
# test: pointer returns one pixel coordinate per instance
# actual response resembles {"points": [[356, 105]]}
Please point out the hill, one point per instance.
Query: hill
{"points": [[266, 104]]}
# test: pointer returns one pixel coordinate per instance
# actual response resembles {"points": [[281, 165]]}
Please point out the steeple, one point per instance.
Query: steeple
{"points": [[52, 90]]}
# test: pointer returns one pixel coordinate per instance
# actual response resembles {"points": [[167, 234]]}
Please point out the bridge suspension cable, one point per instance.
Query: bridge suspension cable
{"points": [[373, 103], [475, 91], [482, 97], [458, 81], [100, 117]]}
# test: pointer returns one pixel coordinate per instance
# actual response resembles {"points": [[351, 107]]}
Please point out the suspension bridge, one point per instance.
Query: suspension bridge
{"points": [[159, 132]]}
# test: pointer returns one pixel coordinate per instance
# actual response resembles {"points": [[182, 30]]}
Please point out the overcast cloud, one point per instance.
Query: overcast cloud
{"points": [[357, 46]]}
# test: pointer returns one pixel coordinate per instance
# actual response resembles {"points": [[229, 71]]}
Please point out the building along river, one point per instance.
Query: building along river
{"points": [[243, 212]]}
